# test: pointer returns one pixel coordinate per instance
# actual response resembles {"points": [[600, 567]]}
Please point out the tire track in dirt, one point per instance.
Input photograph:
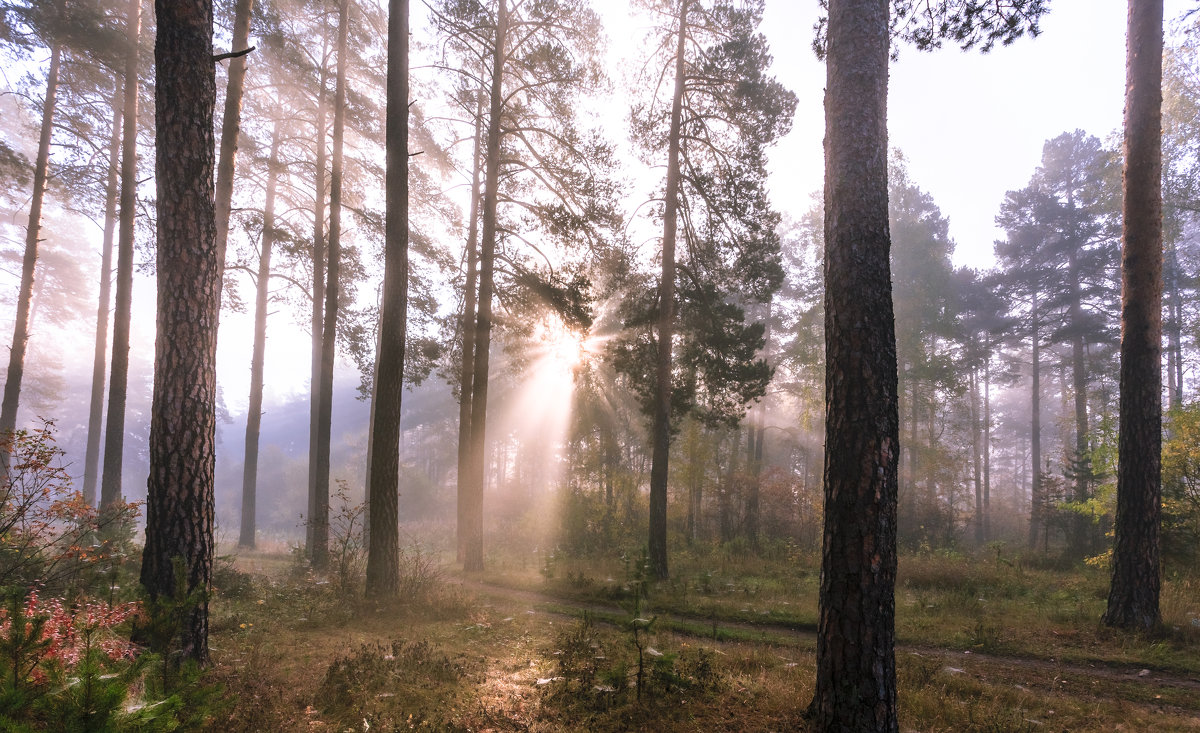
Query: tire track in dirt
{"points": [[957, 661]]}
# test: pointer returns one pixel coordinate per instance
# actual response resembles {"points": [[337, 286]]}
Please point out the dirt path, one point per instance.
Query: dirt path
{"points": [[957, 662]]}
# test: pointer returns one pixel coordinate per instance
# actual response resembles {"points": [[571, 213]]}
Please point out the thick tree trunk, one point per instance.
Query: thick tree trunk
{"points": [[320, 516], [16, 359], [91, 461], [465, 375], [383, 552], [231, 122], [258, 355], [856, 669], [660, 431], [318, 297], [473, 545], [179, 500], [1133, 596], [118, 383]]}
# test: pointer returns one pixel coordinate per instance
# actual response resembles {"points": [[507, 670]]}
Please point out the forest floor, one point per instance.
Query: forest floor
{"points": [[515, 649]]}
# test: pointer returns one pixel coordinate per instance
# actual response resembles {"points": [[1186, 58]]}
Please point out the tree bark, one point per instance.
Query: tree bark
{"points": [[856, 669], [179, 500], [383, 555], [16, 359], [319, 519], [114, 429], [91, 461], [1133, 596], [258, 355], [318, 298], [231, 122], [465, 391], [473, 547], [661, 428]]}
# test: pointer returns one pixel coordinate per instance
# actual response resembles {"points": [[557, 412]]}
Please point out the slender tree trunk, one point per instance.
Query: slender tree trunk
{"points": [[661, 429], [1176, 333], [318, 298], [727, 486], [1037, 501], [473, 545], [987, 440], [231, 122], [91, 461], [1133, 596], [16, 359], [917, 516], [856, 667], [320, 515], [179, 498], [1171, 288], [114, 430], [753, 437], [468, 342], [383, 551], [977, 455], [262, 293], [1081, 524]]}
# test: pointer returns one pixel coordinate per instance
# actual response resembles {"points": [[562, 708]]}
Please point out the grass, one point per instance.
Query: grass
{"points": [[977, 639]]}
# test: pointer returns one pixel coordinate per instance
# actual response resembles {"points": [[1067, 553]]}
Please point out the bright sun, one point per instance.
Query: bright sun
{"points": [[562, 347]]}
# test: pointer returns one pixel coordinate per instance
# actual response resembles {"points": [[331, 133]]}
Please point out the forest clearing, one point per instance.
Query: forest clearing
{"points": [[983, 644]]}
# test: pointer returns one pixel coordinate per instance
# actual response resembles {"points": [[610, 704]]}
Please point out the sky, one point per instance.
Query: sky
{"points": [[972, 125]]}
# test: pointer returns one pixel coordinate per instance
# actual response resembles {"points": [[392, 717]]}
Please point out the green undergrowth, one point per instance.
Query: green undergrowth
{"points": [[300, 654], [994, 603]]}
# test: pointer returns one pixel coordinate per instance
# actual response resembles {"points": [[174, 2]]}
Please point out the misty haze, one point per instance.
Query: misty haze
{"points": [[479, 365]]}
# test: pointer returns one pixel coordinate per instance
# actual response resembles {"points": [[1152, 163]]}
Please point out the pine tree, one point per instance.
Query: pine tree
{"points": [[179, 500], [1133, 596]]}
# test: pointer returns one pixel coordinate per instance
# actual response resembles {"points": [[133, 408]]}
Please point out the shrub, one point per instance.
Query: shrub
{"points": [[49, 536]]}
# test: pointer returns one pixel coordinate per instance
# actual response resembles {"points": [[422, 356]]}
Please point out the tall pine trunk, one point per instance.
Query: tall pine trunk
{"points": [[1037, 502], [179, 497], [856, 667], [257, 357], [977, 455], [231, 122], [118, 383], [319, 519], [318, 297], [473, 545], [383, 551], [91, 461], [16, 359], [1081, 523], [465, 392], [987, 440], [1133, 596], [660, 432]]}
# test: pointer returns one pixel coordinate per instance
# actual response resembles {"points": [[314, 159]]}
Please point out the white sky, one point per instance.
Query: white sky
{"points": [[972, 125]]}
